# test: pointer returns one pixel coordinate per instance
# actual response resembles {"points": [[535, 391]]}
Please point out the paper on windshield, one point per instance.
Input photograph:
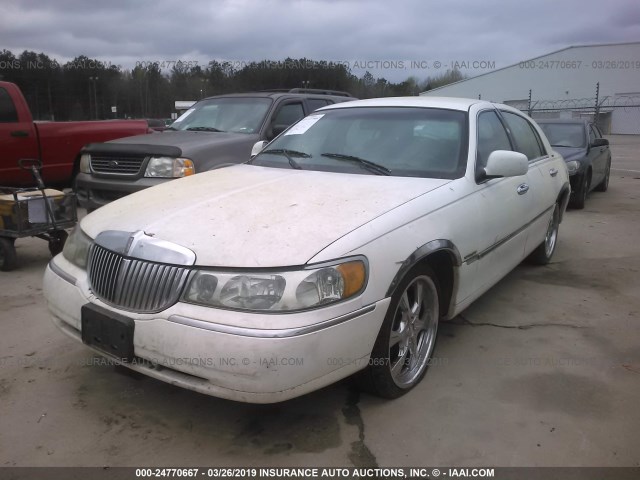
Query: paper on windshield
{"points": [[304, 124]]}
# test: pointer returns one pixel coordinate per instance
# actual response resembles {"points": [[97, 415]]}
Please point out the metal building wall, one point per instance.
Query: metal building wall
{"points": [[581, 80]]}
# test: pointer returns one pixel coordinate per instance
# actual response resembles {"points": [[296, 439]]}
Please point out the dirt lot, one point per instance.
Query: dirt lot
{"points": [[543, 370]]}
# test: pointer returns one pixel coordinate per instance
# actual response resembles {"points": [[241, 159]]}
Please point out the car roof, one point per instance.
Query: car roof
{"points": [[275, 95], [451, 103]]}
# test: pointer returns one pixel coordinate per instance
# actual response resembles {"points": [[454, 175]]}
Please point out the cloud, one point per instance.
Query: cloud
{"points": [[126, 31]]}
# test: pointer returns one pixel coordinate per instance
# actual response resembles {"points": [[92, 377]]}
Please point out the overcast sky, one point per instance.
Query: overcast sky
{"points": [[388, 34]]}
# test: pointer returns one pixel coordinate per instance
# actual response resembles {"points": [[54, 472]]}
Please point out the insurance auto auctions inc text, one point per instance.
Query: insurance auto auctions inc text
{"points": [[373, 472]]}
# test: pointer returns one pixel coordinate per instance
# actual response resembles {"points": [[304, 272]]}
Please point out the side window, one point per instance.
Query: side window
{"points": [[288, 114], [592, 135], [316, 103], [525, 137], [8, 113], [491, 136]]}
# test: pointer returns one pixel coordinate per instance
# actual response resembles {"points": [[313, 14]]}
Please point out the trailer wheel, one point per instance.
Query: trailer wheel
{"points": [[8, 256], [56, 242]]}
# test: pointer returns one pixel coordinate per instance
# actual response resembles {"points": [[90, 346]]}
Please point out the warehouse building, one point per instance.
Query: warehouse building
{"points": [[600, 82]]}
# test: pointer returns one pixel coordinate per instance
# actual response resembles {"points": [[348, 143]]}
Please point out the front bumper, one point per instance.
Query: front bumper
{"points": [[94, 192], [184, 347], [576, 177]]}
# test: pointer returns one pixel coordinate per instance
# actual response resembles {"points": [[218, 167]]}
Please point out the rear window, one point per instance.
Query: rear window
{"points": [[8, 113], [316, 103], [525, 137]]}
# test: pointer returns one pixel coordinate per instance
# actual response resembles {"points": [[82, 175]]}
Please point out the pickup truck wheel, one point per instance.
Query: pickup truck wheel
{"points": [[57, 241], [8, 256], [604, 185], [402, 351], [543, 253]]}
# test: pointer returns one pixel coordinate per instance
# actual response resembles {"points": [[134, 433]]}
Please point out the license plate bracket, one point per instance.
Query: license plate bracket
{"points": [[108, 331]]}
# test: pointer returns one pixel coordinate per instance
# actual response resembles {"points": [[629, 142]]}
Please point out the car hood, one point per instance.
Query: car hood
{"points": [[571, 153], [249, 216], [186, 141]]}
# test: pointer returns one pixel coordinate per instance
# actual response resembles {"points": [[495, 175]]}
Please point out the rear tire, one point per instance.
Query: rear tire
{"points": [[543, 252], [403, 349], [8, 255]]}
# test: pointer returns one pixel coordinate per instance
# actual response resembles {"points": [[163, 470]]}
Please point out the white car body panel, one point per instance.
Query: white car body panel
{"points": [[287, 215], [255, 217]]}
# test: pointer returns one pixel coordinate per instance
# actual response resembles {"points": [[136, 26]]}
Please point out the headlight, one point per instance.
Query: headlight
{"points": [[76, 248], [279, 290], [573, 167], [85, 163], [168, 167]]}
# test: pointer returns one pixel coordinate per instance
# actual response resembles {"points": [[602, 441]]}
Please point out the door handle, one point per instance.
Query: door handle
{"points": [[553, 172], [522, 189], [19, 133]]}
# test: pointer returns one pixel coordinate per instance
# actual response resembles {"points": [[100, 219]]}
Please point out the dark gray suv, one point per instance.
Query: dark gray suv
{"points": [[215, 132]]}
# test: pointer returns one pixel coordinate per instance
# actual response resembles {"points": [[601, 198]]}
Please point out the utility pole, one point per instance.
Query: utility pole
{"points": [[597, 109], [94, 81]]}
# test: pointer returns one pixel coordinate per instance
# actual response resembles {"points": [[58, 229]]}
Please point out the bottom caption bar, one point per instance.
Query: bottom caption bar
{"points": [[277, 473]]}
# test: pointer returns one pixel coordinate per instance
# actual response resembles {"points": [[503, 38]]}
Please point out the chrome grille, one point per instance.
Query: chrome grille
{"points": [[136, 285], [117, 164]]}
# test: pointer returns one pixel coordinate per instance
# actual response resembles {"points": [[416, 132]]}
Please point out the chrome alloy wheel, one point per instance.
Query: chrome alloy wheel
{"points": [[552, 232], [413, 331]]}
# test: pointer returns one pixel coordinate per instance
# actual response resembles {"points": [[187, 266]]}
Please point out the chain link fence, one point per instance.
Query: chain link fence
{"points": [[614, 114]]}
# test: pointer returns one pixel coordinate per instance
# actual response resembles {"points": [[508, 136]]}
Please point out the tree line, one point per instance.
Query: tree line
{"points": [[86, 88]]}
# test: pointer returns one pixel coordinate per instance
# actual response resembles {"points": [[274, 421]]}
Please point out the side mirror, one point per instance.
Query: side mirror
{"points": [[600, 142], [257, 147], [505, 163]]}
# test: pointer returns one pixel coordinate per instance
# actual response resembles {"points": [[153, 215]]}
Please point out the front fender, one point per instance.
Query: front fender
{"points": [[420, 254]]}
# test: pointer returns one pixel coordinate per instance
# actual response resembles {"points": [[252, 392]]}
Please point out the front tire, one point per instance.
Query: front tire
{"points": [[8, 255], [403, 349], [604, 185], [580, 197]]}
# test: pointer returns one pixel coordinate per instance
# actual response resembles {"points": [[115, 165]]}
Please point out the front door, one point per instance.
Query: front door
{"points": [[17, 140]]}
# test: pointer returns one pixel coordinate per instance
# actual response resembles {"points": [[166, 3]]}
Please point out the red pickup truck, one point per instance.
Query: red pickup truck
{"points": [[56, 144]]}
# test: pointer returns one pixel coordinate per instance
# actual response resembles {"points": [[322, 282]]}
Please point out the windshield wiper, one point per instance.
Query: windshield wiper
{"points": [[289, 154], [171, 128], [369, 165], [204, 129]]}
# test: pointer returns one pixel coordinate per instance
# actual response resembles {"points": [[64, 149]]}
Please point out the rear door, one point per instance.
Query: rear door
{"points": [[543, 174], [17, 140]]}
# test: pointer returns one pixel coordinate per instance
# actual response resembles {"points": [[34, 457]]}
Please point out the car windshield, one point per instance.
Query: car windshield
{"points": [[564, 134], [230, 114], [398, 141]]}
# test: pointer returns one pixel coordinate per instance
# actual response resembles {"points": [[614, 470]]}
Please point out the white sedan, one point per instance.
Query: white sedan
{"points": [[336, 250]]}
